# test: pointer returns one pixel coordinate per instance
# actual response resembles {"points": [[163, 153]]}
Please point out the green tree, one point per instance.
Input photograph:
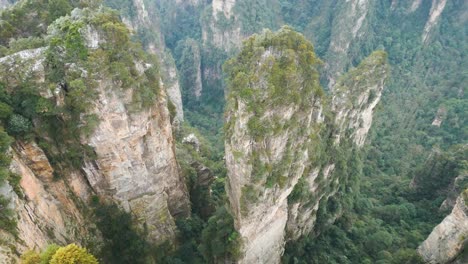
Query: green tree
{"points": [[58, 8], [5, 110], [123, 244], [18, 125], [220, 241], [48, 253]]}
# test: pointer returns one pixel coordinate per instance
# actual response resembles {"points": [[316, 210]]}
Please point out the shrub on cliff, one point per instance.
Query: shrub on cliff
{"points": [[54, 254], [73, 254]]}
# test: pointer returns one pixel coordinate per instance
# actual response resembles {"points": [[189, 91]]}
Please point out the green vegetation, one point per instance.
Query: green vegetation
{"points": [[54, 254], [123, 243], [381, 218], [59, 126], [220, 241], [72, 254], [7, 215], [208, 236]]}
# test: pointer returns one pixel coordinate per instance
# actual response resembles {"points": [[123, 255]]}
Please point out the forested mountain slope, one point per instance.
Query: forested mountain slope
{"points": [[123, 132]]}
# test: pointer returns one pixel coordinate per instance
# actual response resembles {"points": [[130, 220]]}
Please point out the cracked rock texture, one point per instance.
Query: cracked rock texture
{"points": [[272, 143], [135, 164], [448, 240]]}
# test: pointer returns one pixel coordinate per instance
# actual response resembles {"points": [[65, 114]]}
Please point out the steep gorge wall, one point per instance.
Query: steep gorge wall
{"points": [[447, 242], [354, 100], [282, 134], [146, 24], [222, 30], [46, 208], [134, 163]]}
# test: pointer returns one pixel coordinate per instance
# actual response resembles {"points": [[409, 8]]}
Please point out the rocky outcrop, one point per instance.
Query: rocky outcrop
{"points": [[449, 238], [190, 68], [354, 99], [437, 8], [362, 88], [222, 29], [258, 158], [46, 209], [278, 137], [415, 5], [134, 163], [148, 22], [440, 117], [347, 26]]}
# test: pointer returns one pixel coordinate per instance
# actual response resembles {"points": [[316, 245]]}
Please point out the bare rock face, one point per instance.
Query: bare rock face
{"points": [[147, 21], [46, 209], [437, 8], [348, 25], [281, 134], [449, 238], [356, 95], [134, 162], [354, 99]]}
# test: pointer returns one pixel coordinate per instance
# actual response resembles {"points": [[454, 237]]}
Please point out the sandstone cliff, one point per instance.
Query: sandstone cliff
{"points": [[348, 26], [283, 136], [448, 240], [221, 29], [146, 24], [124, 132], [46, 209]]}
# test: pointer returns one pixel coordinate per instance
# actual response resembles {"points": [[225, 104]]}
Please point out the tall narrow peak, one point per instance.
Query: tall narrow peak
{"points": [[275, 102], [328, 180], [356, 95], [221, 28], [437, 8], [283, 134], [347, 26], [144, 21]]}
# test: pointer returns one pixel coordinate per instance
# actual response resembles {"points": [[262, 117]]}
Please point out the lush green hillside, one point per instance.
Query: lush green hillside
{"points": [[415, 150]]}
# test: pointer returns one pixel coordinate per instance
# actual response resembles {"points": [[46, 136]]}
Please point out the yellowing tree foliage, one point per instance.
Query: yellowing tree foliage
{"points": [[30, 257], [73, 254]]}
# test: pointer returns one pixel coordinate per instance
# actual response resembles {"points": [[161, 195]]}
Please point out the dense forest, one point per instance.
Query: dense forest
{"points": [[400, 183]]}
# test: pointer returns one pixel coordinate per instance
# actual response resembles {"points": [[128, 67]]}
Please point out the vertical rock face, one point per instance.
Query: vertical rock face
{"points": [[46, 209], [190, 69], [356, 95], [437, 8], [347, 26], [268, 134], [448, 240], [278, 129], [146, 22], [354, 99], [134, 162], [222, 30], [415, 5]]}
